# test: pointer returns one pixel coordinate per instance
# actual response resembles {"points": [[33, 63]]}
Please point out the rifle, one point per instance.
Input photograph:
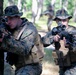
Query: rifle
{"points": [[69, 36], [58, 30]]}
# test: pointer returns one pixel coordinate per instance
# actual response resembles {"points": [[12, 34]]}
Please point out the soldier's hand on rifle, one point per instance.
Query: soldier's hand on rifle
{"points": [[65, 43], [56, 38]]}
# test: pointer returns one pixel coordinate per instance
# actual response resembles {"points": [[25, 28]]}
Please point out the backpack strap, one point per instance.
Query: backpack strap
{"points": [[21, 32]]}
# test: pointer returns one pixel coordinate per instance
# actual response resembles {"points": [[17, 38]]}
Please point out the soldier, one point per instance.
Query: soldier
{"points": [[63, 57], [50, 13], [22, 43]]}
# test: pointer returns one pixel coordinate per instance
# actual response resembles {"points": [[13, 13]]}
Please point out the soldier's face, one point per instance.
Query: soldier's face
{"points": [[63, 21], [12, 22]]}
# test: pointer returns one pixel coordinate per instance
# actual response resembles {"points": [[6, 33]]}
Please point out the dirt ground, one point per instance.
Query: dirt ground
{"points": [[48, 68]]}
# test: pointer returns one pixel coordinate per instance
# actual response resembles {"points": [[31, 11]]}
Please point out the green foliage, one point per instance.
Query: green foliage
{"points": [[28, 4], [16, 2], [5, 3], [57, 4], [47, 2], [48, 56], [43, 20], [70, 6]]}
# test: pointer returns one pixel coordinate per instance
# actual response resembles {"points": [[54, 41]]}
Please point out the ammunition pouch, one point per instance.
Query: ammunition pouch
{"points": [[33, 57], [37, 52]]}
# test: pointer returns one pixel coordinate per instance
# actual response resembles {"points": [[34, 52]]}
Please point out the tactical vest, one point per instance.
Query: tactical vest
{"points": [[64, 57], [36, 55]]}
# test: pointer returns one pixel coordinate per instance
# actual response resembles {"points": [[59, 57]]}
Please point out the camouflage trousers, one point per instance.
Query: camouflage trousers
{"points": [[69, 71], [30, 70]]}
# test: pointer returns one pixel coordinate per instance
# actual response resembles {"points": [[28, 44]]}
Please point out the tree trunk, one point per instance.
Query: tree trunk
{"points": [[10, 2], [19, 4], [1, 7], [65, 4], [40, 5], [34, 10], [74, 15], [74, 12], [53, 3]]}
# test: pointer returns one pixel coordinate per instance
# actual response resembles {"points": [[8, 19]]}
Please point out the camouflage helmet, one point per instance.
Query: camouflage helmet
{"points": [[12, 11], [62, 14], [49, 7]]}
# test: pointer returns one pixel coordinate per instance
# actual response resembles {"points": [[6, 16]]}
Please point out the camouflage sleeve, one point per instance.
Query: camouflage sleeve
{"points": [[22, 46], [47, 39], [72, 30]]}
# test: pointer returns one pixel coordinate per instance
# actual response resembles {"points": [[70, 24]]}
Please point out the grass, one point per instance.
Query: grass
{"points": [[48, 56], [49, 67]]}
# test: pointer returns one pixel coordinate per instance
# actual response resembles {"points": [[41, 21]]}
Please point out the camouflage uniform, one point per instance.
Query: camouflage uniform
{"points": [[67, 57], [50, 13], [22, 46]]}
